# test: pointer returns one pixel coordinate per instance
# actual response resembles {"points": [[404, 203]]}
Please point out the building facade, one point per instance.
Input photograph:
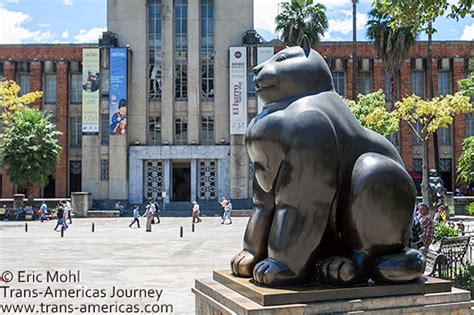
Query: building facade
{"points": [[178, 144]]}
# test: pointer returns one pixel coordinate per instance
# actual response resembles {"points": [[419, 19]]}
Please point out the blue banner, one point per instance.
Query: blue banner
{"points": [[118, 92]]}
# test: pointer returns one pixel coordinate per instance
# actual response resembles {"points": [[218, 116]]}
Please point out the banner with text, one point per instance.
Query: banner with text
{"points": [[118, 92], [90, 91], [238, 90], [263, 54]]}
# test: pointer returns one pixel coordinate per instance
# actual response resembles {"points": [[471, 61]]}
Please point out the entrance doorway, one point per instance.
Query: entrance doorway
{"points": [[181, 176]]}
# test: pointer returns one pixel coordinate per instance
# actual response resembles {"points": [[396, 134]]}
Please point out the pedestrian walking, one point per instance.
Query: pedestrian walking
{"points": [[227, 205], [136, 215], [69, 211], [157, 211], [149, 216], [196, 212], [427, 225], [43, 210], [61, 221]]}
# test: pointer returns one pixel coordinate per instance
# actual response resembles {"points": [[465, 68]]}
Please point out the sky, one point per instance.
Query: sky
{"points": [[82, 21]]}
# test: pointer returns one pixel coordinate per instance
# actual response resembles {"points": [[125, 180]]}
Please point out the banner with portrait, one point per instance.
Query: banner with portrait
{"points": [[90, 91], [238, 90], [118, 92]]}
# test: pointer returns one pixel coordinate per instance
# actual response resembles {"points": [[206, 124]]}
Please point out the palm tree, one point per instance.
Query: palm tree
{"points": [[301, 17], [392, 45]]}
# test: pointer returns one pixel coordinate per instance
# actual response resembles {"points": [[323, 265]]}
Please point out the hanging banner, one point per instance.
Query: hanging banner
{"points": [[118, 92], [90, 91], [238, 90], [263, 54]]}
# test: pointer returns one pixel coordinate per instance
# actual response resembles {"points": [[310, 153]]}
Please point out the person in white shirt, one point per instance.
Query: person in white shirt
{"points": [[196, 218]]}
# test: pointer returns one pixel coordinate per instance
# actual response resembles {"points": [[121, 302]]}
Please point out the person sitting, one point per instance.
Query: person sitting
{"points": [[441, 215]]}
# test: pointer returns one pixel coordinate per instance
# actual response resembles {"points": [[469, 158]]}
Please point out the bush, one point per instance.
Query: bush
{"points": [[444, 230], [464, 279], [470, 209]]}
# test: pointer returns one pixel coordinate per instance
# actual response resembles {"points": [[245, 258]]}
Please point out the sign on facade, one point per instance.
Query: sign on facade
{"points": [[90, 91], [118, 92], [238, 90]]}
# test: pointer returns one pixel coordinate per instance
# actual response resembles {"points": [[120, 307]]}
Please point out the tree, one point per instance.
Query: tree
{"points": [[417, 14], [29, 140], [465, 165], [371, 112], [301, 17], [430, 115], [392, 46]]}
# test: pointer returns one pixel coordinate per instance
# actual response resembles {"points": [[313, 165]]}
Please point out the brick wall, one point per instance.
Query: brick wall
{"points": [[62, 101]]}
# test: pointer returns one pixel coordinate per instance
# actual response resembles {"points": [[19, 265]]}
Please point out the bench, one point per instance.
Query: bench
{"points": [[449, 258]]}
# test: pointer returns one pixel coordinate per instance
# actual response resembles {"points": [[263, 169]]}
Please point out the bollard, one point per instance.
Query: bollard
{"points": [[26, 227], [62, 231], [192, 227], [181, 232], [93, 227]]}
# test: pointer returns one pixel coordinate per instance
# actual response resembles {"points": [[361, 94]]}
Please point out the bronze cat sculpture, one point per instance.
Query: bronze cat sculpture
{"points": [[332, 200]]}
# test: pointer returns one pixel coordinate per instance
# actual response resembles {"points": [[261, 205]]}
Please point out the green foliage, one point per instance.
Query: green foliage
{"points": [[470, 208], [467, 85], [30, 148], [300, 17], [371, 112], [464, 279], [418, 13], [431, 114], [391, 44], [443, 230], [466, 162]]}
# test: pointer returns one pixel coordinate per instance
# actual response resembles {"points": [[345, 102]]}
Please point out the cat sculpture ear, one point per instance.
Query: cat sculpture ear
{"points": [[305, 45]]}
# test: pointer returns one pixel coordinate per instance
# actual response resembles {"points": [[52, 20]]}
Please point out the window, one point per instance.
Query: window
{"points": [[365, 82], [75, 132], [49, 89], [75, 175], [207, 130], [444, 136], [76, 89], [104, 170], [445, 165], [394, 138], [24, 83], [444, 83], [154, 52], [416, 140], [181, 50], [417, 165], [207, 49], [154, 130], [181, 131], [469, 125], [387, 87], [418, 83], [104, 129], [339, 80]]}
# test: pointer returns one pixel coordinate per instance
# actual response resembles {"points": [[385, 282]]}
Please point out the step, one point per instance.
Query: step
{"points": [[103, 213]]}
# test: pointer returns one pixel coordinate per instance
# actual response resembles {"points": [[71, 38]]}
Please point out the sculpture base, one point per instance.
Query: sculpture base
{"points": [[229, 295]]}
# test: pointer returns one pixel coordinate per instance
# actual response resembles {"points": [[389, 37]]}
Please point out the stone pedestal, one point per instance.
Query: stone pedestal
{"points": [[81, 202], [18, 201], [224, 296]]}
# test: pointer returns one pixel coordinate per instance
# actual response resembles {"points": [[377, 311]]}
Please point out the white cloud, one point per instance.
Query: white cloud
{"points": [[45, 25], [468, 33], [12, 1], [65, 34], [68, 2], [89, 36], [12, 31]]}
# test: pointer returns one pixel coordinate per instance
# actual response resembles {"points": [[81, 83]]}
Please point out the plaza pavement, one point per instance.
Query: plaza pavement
{"points": [[115, 255]]}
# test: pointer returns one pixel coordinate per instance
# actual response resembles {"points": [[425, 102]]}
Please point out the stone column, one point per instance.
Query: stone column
{"points": [[62, 101], [194, 72], [81, 202], [167, 179], [239, 165], [194, 180], [91, 165], [168, 72]]}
